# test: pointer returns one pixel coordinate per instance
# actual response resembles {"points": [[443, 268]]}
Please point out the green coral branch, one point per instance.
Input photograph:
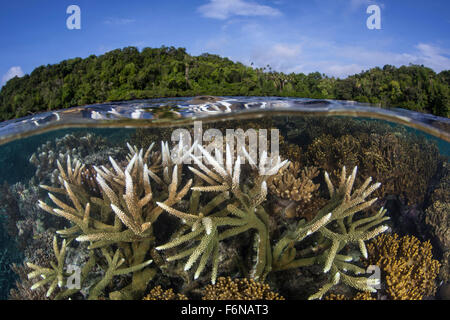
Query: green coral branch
{"points": [[343, 206], [113, 269], [56, 275]]}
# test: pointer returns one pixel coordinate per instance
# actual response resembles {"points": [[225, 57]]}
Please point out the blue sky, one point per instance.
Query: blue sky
{"points": [[329, 36]]}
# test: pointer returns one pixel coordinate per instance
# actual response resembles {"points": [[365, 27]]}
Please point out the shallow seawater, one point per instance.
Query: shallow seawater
{"points": [[313, 199]]}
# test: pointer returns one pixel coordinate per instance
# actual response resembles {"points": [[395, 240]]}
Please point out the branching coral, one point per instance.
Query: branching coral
{"points": [[242, 211], [408, 265], [341, 209], [118, 218], [403, 163], [295, 192], [23, 285], [75, 145], [437, 218], [54, 275], [122, 218], [238, 209], [239, 289]]}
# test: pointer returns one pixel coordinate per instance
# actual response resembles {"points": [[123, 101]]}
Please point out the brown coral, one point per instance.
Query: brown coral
{"points": [[157, 293], [290, 151], [403, 163], [239, 289], [287, 185], [358, 296], [23, 285], [295, 192], [408, 265], [437, 218]]}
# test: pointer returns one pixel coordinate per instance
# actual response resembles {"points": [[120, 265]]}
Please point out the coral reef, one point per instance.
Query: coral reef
{"points": [[403, 163], [437, 219], [303, 130], [333, 237], [134, 220], [9, 208], [115, 210], [24, 219], [121, 219], [23, 289], [237, 209], [239, 289], [407, 264], [93, 149], [157, 293]]}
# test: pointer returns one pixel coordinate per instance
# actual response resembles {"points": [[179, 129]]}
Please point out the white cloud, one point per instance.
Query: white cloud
{"points": [[223, 9], [294, 52], [119, 21], [429, 55], [11, 73], [433, 57], [339, 60], [280, 56], [343, 69], [286, 51]]}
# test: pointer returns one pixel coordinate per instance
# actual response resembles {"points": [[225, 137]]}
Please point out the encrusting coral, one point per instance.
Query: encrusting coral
{"points": [[239, 289], [408, 264]]}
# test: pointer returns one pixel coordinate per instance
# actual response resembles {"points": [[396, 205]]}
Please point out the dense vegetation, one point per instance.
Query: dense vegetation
{"points": [[128, 73]]}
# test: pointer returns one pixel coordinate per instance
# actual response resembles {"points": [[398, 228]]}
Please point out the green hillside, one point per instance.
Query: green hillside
{"points": [[128, 73]]}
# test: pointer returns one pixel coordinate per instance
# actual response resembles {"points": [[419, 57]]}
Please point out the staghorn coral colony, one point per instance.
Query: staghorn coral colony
{"points": [[157, 221]]}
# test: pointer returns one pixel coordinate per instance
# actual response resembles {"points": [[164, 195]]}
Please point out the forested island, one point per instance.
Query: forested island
{"points": [[126, 74]]}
